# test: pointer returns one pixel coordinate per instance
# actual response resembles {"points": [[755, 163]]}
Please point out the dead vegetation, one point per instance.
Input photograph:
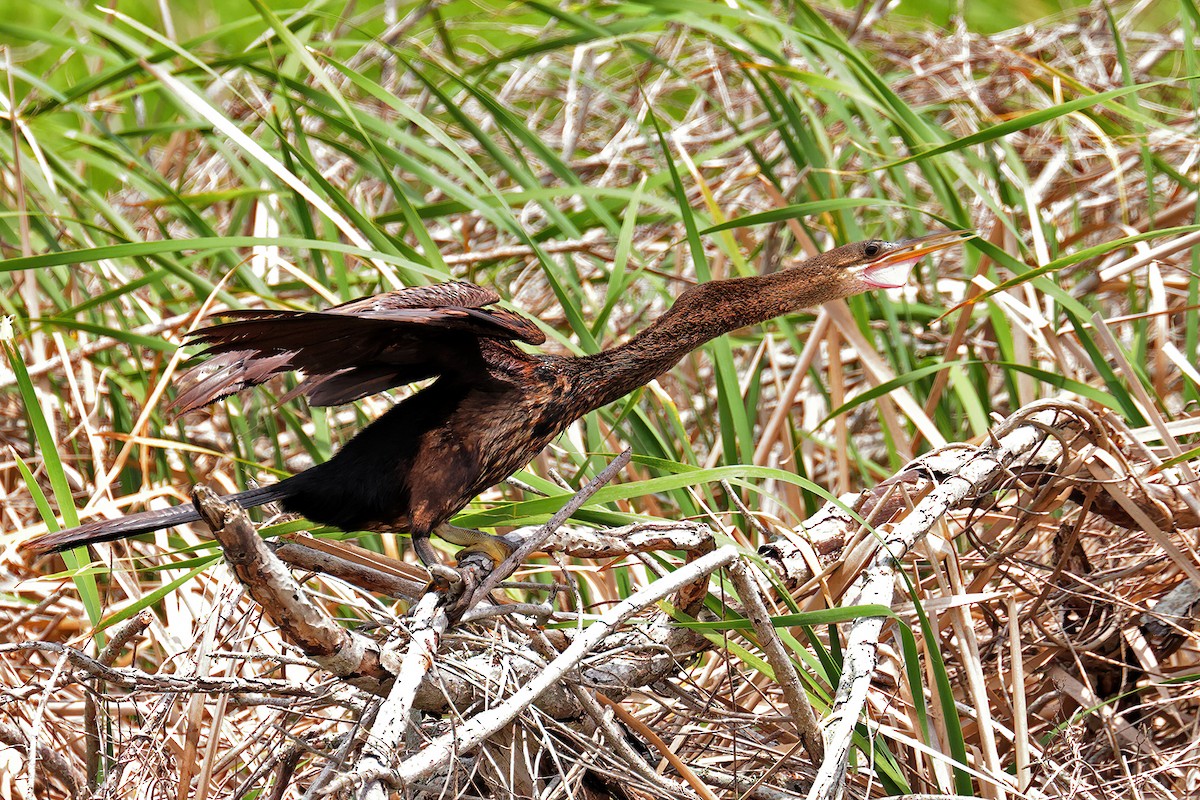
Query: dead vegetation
{"points": [[1037, 497]]}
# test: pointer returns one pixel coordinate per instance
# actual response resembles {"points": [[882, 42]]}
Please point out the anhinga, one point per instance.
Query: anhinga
{"points": [[493, 406]]}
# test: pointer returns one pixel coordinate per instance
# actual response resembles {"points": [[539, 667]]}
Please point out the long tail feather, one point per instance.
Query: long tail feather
{"points": [[108, 530]]}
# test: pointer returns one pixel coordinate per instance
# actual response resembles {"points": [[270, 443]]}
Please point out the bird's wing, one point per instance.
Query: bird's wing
{"points": [[351, 350]]}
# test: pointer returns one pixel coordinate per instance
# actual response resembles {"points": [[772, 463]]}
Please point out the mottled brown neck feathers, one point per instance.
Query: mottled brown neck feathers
{"points": [[701, 314]]}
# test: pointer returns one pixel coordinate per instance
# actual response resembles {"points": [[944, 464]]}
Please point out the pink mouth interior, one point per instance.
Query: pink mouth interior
{"points": [[890, 274]]}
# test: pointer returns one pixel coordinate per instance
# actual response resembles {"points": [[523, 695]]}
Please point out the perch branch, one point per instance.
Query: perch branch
{"points": [[527, 547], [427, 623], [794, 695], [1022, 434], [303, 623], [468, 735]]}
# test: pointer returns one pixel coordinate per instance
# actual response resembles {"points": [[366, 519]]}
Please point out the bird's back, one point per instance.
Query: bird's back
{"points": [[430, 454], [368, 484]]}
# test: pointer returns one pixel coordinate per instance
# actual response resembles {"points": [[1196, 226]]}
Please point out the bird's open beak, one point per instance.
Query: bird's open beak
{"points": [[891, 269]]}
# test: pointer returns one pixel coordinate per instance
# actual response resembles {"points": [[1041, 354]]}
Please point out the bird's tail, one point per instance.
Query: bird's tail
{"points": [[107, 530]]}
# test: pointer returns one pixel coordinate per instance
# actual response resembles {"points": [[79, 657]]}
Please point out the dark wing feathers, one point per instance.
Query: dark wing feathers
{"points": [[284, 326], [440, 295], [227, 374], [351, 350], [348, 385]]}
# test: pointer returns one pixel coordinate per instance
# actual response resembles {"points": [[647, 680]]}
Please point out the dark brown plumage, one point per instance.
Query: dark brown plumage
{"points": [[493, 406]]}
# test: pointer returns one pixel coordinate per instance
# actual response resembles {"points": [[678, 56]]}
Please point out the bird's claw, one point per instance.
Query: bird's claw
{"points": [[495, 548], [473, 541], [444, 580], [481, 553]]}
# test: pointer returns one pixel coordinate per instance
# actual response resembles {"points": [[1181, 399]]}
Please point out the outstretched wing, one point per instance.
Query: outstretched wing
{"points": [[351, 350]]}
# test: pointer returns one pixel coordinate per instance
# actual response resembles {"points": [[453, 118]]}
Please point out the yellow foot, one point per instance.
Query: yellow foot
{"points": [[494, 547], [455, 583]]}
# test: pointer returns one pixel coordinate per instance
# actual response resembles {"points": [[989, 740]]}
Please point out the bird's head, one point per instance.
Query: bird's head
{"points": [[875, 263]]}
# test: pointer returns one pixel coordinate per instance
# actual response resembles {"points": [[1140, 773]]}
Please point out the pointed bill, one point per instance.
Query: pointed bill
{"points": [[892, 268]]}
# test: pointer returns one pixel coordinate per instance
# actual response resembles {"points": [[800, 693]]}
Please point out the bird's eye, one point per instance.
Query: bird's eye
{"points": [[872, 249]]}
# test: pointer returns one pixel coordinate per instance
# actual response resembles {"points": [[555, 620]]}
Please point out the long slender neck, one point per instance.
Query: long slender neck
{"points": [[701, 314]]}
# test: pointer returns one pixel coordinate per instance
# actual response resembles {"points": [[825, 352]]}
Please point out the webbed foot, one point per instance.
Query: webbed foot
{"points": [[473, 541], [457, 583]]}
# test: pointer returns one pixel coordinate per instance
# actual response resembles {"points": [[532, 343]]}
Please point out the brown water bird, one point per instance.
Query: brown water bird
{"points": [[493, 407]]}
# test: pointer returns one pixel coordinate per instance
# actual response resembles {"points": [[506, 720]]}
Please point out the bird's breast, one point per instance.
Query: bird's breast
{"points": [[515, 426]]}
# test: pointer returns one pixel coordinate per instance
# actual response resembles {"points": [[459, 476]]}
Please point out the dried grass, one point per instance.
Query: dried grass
{"points": [[1037, 593]]}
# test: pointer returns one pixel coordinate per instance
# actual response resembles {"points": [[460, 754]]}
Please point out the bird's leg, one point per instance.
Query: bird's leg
{"points": [[448, 579], [442, 576], [473, 541], [424, 549]]}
